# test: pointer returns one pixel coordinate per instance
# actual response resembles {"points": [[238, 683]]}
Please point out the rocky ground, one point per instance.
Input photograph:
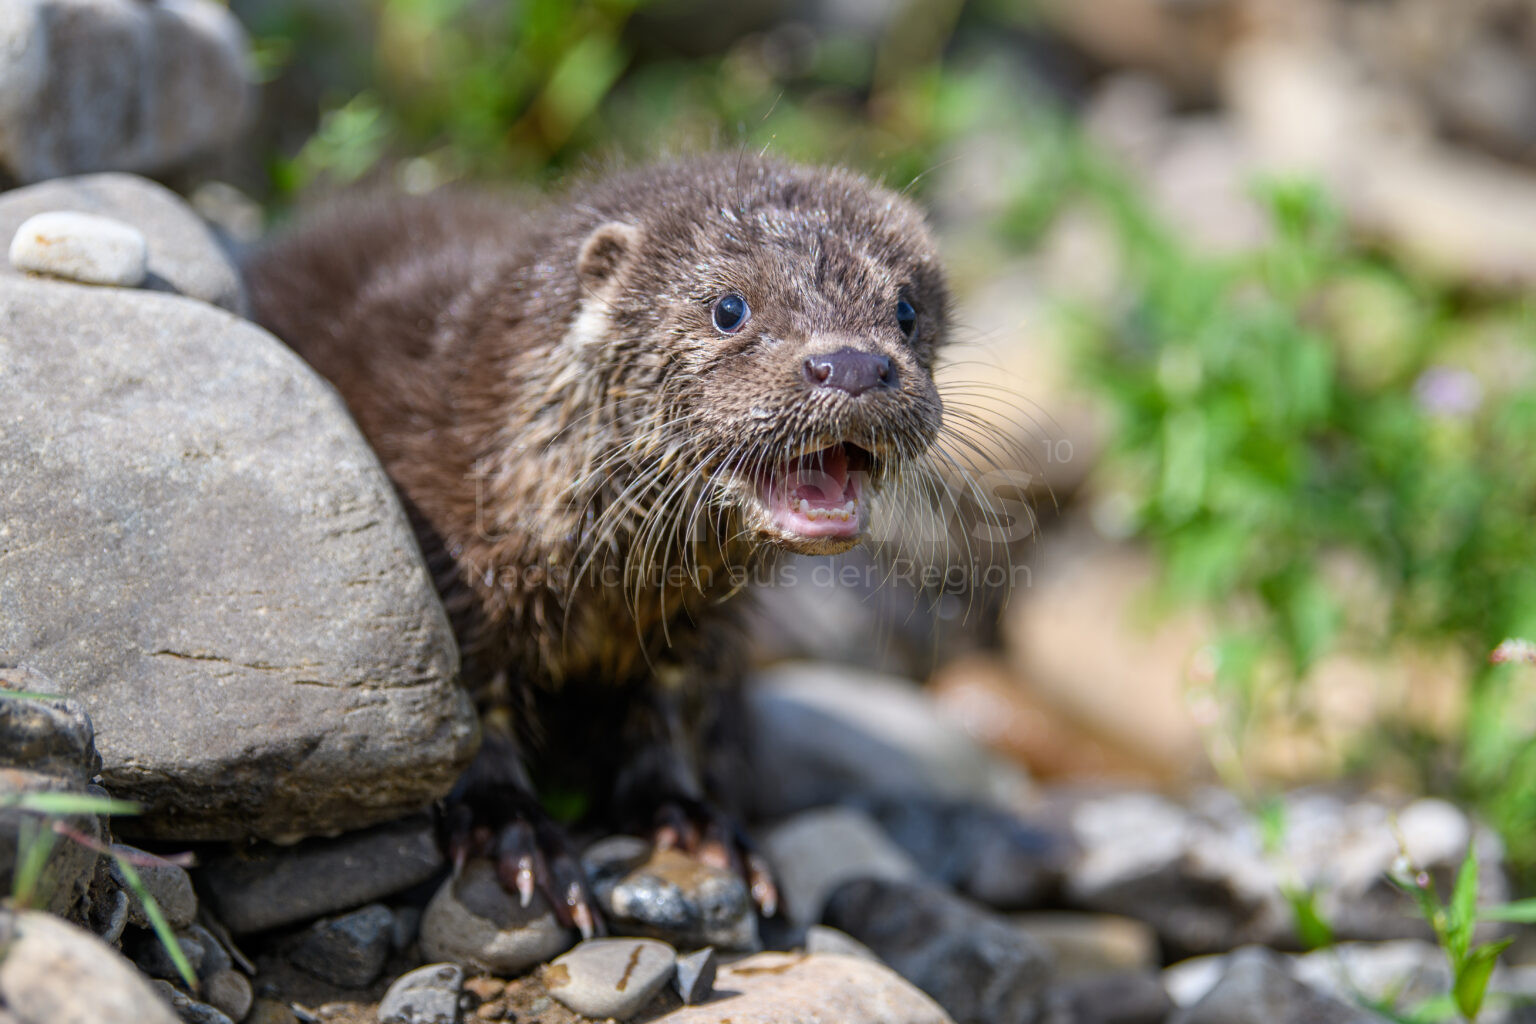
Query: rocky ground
{"points": [[213, 606]]}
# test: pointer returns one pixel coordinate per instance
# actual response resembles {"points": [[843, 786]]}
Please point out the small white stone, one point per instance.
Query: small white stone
{"points": [[610, 977], [81, 247]]}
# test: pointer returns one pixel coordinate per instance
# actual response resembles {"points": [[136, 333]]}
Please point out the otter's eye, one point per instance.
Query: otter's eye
{"points": [[731, 313], [906, 317]]}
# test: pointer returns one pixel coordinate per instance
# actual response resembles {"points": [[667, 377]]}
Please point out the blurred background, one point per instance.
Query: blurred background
{"points": [[1242, 314]]}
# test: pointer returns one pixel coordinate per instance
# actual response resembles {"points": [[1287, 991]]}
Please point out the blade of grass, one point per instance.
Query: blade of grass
{"points": [[64, 804], [34, 843], [158, 922]]}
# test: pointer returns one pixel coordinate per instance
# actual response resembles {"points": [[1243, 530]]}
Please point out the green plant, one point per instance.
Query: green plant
{"points": [[44, 823]]}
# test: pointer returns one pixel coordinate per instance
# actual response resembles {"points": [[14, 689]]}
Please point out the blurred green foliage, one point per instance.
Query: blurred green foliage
{"points": [[1278, 412]]}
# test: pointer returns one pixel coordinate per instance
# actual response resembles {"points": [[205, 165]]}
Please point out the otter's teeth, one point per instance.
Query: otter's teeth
{"points": [[842, 514]]}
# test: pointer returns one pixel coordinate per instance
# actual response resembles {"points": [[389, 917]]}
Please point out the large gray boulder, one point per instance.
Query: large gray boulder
{"points": [[198, 545], [98, 85], [184, 255]]}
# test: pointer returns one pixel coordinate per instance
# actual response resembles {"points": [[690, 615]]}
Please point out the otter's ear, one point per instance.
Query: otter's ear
{"points": [[606, 252]]}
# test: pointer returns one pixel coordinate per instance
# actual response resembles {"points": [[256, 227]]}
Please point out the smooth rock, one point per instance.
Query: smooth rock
{"points": [[80, 247], [427, 995], [1129, 997], [229, 992], [1258, 987], [1088, 945], [95, 85], [55, 973], [266, 886], [168, 885], [788, 988], [983, 852], [823, 733], [972, 962], [821, 939], [184, 256], [1403, 973], [610, 977], [816, 851], [145, 949], [349, 950], [69, 867], [668, 895], [472, 921], [694, 980], [47, 735], [270, 1011], [202, 549], [191, 1011]]}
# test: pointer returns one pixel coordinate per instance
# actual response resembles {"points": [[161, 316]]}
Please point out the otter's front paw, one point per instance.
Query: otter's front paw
{"points": [[707, 833]]}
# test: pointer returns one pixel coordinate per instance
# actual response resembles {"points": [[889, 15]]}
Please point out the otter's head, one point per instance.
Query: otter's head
{"points": [[781, 323]]}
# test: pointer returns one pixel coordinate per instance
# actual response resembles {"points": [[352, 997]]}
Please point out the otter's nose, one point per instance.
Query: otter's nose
{"points": [[850, 370]]}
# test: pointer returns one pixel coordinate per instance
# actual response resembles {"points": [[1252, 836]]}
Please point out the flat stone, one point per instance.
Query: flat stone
{"points": [[267, 885], [168, 885], [821, 939], [816, 851], [473, 921], [54, 972], [51, 736], [971, 961], [1088, 945], [80, 247], [349, 950], [668, 895], [191, 1011], [184, 255], [427, 995], [203, 550], [96, 85], [1126, 997], [694, 981], [610, 977], [146, 950], [789, 988]]}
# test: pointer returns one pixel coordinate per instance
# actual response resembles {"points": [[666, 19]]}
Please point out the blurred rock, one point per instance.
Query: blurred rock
{"points": [[95, 85], [1257, 986], [985, 853], [53, 972], [183, 255], [1127, 997], [822, 733], [349, 950], [971, 962], [668, 895], [1085, 946], [983, 696], [1183, 42], [1077, 644], [229, 992], [427, 995], [265, 886], [49, 735], [610, 977], [821, 939], [191, 1011], [472, 921], [80, 247], [773, 988], [224, 578], [816, 851], [69, 866]]}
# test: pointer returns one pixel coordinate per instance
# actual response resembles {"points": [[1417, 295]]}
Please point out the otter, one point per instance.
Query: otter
{"points": [[604, 412]]}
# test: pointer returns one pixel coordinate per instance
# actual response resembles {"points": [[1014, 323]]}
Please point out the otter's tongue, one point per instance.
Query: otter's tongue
{"points": [[816, 495]]}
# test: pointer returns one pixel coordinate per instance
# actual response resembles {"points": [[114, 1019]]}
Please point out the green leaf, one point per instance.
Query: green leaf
{"points": [[34, 842], [1472, 977], [1312, 928], [62, 804], [158, 922], [1518, 912], [1463, 908]]}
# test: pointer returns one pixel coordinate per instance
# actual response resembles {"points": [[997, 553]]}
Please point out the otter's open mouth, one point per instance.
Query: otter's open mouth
{"points": [[817, 495]]}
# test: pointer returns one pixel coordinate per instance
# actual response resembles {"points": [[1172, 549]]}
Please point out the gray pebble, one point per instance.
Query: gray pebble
{"points": [[427, 995], [168, 884], [188, 1009], [349, 950], [230, 992], [695, 977], [610, 977], [669, 895], [81, 247]]}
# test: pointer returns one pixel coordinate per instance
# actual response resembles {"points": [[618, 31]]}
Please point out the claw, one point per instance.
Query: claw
{"points": [[760, 880], [581, 911]]}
